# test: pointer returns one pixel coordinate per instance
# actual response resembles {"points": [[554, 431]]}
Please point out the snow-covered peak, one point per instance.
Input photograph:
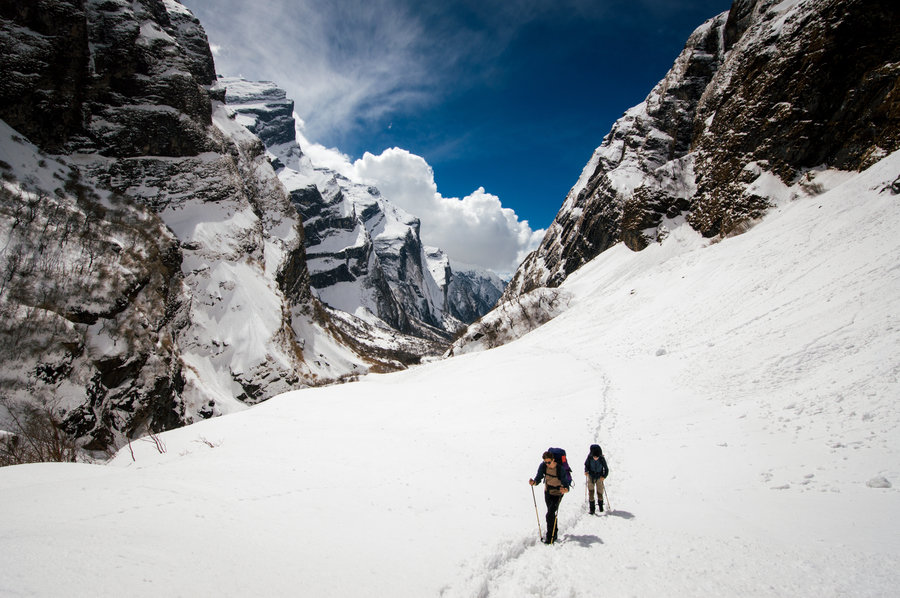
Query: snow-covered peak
{"points": [[365, 253]]}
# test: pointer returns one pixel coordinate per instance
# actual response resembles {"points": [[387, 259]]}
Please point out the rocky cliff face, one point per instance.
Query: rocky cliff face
{"points": [[364, 254], [472, 292], [153, 266], [762, 97]]}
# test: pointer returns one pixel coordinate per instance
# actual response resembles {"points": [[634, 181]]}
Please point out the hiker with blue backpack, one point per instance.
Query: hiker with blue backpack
{"points": [[595, 472], [557, 477]]}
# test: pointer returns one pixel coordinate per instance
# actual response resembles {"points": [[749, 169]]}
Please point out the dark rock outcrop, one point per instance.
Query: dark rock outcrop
{"points": [[819, 86], [83, 75], [768, 89]]}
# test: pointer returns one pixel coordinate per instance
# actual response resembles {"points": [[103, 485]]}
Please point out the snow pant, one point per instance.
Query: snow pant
{"points": [[592, 484], [552, 501]]}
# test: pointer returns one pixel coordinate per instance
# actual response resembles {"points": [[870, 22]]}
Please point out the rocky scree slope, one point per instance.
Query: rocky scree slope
{"points": [[762, 97], [152, 267]]}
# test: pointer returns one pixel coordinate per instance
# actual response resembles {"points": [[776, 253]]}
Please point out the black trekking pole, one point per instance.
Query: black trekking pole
{"points": [[536, 514], [608, 505]]}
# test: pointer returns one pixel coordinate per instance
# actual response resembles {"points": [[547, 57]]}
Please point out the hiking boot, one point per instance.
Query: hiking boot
{"points": [[600, 504], [592, 508]]}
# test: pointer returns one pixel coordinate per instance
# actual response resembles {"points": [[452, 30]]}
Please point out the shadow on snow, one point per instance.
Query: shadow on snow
{"points": [[622, 514], [585, 541]]}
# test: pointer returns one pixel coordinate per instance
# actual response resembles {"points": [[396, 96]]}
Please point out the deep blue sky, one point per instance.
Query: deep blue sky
{"points": [[510, 96]]}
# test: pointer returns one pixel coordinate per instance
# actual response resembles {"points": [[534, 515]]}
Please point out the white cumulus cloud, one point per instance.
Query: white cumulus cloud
{"points": [[476, 229]]}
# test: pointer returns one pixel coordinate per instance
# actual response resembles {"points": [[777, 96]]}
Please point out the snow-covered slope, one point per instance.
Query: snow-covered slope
{"points": [[744, 392]]}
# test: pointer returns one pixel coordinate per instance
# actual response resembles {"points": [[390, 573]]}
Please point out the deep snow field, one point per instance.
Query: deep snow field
{"points": [[745, 393]]}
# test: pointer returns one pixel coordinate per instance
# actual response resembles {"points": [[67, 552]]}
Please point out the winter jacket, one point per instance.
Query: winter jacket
{"points": [[596, 469], [564, 480]]}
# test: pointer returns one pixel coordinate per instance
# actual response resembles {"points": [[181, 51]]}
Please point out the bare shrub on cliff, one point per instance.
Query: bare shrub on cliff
{"points": [[35, 435]]}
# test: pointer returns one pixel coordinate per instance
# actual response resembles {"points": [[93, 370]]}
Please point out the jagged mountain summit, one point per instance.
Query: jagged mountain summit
{"points": [[153, 265], [365, 255], [763, 98], [472, 291]]}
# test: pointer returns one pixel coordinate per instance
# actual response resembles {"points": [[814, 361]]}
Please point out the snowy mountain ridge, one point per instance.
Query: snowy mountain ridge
{"points": [[768, 90], [365, 254], [743, 387]]}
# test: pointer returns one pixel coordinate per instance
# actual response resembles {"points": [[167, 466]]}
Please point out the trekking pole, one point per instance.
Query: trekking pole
{"points": [[608, 505], [536, 514]]}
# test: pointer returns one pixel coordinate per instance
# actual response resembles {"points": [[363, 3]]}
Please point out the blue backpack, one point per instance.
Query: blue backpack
{"points": [[565, 472]]}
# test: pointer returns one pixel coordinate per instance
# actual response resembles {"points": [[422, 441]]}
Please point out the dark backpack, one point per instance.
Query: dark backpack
{"points": [[598, 452], [565, 472]]}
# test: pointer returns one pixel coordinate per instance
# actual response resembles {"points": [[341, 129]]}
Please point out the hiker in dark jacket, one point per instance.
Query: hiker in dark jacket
{"points": [[595, 472], [556, 483]]}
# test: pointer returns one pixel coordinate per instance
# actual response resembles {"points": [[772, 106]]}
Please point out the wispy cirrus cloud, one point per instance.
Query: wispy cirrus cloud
{"points": [[345, 63], [353, 63]]}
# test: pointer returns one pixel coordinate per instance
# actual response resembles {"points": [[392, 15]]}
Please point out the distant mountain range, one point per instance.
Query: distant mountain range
{"points": [[364, 254]]}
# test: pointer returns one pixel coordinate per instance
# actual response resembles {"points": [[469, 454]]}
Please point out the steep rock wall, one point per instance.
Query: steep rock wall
{"points": [[153, 267], [770, 88]]}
